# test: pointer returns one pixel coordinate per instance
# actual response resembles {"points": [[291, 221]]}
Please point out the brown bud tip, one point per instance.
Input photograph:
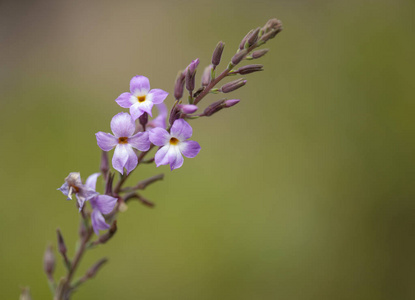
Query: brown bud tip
{"points": [[273, 24], [61, 242], [217, 53], [259, 53], [236, 59], [271, 29], [49, 261]]}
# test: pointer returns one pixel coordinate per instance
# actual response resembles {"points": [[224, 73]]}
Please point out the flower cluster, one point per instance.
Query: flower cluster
{"points": [[133, 137]]}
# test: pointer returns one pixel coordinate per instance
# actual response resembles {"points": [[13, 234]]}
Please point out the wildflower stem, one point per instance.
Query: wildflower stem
{"points": [[63, 292], [143, 184]]}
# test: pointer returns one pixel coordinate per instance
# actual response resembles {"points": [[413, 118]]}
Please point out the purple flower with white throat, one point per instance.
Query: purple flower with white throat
{"points": [[124, 140], [174, 144], [141, 99], [73, 185], [101, 205]]}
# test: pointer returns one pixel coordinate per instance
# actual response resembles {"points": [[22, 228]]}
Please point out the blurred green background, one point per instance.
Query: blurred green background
{"points": [[304, 190]]}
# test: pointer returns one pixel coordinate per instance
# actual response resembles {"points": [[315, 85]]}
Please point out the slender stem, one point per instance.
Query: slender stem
{"points": [[143, 184], [210, 86], [63, 292]]}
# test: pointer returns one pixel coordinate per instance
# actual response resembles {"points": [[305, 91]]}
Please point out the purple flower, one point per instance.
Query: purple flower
{"points": [[174, 144], [124, 139], [73, 185], [101, 204], [141, 99]]}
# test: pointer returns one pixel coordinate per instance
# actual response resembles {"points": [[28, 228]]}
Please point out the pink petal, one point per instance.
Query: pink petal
{"points": [[157, 96], [175, 158], [132, 159], [98, 221], [122, 125], [140, 141], [106, 141], [91, 181], [181, 130], [159, 136], [120, 157], [189, 148], [161, 157], [137, 109], [105, 204], [126, 100], [139, 85]]}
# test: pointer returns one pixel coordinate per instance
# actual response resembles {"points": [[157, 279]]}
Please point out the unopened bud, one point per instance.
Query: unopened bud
{"points": [[25, 294], [174, 114], [231, 102], [143, 119], [109, 234], [95, 268], [273, 24], [271, 29], [206, 77], [61, 242], [104, 167], [243, 42], [259, 53], [179, 86], [270, 35], [213, 108], [253, 37], [49, 261], [192, 66], [249, 69], [217, 53], [190, 81], [233, 85], [236, 59], [188, 108]]}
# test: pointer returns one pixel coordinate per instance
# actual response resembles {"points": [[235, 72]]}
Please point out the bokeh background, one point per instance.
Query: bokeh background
{"points": [[304, 190]]}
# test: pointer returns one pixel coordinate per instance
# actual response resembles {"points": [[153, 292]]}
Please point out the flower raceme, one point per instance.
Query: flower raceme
{"points": [[174, 144], [124, 140], [101, 205], [141, 99]]}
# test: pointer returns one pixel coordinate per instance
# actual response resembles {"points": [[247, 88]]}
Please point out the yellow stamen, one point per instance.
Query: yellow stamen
{"points": [[174, 141], [141, 98]]}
